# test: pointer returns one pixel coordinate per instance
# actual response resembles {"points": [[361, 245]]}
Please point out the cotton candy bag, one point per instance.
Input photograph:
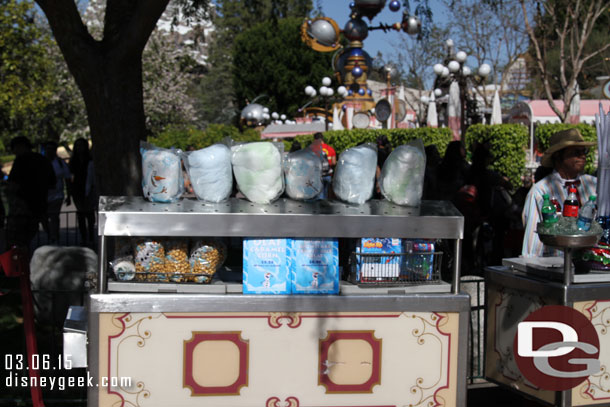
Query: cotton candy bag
{"points": [[402, 176], [303, 173], [354, 178], [210, 172], [258, 171], [162, 179]]}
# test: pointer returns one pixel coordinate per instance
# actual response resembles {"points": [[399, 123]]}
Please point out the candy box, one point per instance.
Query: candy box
{"points": [[419, 262], [314, 266], [373, 262], [265, 268]]}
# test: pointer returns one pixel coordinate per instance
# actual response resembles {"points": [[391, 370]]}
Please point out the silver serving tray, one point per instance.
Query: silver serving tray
{"points": [[569, 241]]}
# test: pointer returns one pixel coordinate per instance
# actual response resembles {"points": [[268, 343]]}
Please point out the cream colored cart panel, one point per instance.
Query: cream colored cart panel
{"points": [[279, 359]]}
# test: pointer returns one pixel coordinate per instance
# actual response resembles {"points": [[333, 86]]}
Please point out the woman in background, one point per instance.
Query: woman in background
{"points": [[80, 166]]}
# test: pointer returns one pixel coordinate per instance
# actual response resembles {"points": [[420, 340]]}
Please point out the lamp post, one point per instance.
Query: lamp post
{"points": [[352, 64], [325, 92], [454, 70], [390, 70]]}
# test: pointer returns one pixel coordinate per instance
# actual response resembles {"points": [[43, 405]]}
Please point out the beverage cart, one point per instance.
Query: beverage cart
{"points": [[521, 286], [210, 344]]}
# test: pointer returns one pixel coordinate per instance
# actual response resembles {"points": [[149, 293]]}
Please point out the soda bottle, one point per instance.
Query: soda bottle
{"points": [[549, 212], [555, 202], [570, 205], [585, 216]]}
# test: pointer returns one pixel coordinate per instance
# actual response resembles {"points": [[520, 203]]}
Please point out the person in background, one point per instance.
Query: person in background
{"points": [[433, 160], [384, 149], [329, 157], [295, 146], [452, 171], [56, 195], [566, 154], [80, 166], [493, 201], [29, 182]]}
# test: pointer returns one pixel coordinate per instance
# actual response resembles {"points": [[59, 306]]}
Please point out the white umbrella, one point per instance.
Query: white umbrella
{"points": [[453, 110], [496, 110], [337, 125], [350, 116], [432, 118], [574, 113], [602, 124]]}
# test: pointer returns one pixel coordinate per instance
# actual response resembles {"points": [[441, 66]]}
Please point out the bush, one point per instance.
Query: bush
{"points": [[186, 136], [341, 140], [507, 142], [544, 132]]}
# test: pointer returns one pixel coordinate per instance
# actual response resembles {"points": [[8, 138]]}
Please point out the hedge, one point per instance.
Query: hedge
{"points": [[544, 132], [185, 137], [507, 142], [344, 139]]}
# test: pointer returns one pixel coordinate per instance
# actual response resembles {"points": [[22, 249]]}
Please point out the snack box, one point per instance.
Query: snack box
{"points": [[418, 267], [379, 267], [265, 267], [314, 266]]}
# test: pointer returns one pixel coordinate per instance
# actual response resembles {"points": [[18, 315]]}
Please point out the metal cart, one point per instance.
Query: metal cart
{"points": [[518, 288], [192, 345]]}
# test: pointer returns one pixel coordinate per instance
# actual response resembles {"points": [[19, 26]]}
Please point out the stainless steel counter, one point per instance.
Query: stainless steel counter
{"points": [[132, 216]]}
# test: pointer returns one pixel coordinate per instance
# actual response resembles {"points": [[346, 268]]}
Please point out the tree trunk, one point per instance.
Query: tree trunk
{"points": [[115, 111], [109, 76]]}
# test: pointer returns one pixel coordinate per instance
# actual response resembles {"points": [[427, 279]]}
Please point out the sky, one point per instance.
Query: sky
{"points": [[377, 40]]}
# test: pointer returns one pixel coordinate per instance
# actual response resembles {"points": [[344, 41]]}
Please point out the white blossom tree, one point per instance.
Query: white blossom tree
{"points": [[568, 26]]}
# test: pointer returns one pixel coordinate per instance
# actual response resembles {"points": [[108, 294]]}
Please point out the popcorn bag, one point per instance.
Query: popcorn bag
{"points": [[150, 261], [207, 256]]}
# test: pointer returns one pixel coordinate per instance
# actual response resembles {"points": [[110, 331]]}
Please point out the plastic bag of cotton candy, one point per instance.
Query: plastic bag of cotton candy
{"points": [[303, 173], [354, 178], [258, 171], [210, 172], [162, 179], [402, 176]]}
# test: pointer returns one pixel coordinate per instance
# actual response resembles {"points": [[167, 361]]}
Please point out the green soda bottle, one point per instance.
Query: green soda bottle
{"points": [[549, 212]]}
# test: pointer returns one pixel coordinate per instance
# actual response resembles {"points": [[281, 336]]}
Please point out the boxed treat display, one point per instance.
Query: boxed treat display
{"points": [[314, 266], [379, 258], [265, 267], [419, 262]]}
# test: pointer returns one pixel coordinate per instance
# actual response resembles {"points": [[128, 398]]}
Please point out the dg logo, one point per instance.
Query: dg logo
{"points": [[556, 348]]}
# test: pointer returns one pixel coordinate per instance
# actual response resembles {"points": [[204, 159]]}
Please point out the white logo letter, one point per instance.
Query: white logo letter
{"points": [[525, 334]]}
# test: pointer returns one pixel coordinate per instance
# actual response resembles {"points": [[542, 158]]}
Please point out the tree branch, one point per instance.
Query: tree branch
{"points": [[129, 24], [72, 36], [539, 61]]}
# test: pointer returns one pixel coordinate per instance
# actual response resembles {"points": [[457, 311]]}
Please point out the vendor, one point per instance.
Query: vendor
{"points": [[566, 155]]}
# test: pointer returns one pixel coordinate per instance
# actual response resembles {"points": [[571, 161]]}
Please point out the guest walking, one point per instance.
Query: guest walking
{"points": [[80, 166]]}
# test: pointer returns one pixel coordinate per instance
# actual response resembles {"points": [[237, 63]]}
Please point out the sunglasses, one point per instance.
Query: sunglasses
{"points": [[577, 152]]}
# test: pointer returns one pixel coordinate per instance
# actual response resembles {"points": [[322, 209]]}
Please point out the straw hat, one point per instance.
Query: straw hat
{"points": [[561, 140]]}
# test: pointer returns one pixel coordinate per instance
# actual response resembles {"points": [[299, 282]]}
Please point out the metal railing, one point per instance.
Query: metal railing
{"points": [[68, 232], [475, 286]]}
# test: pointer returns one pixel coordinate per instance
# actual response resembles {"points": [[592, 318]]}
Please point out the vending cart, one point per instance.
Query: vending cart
{"points": [[521, 286], [176, 344]]}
